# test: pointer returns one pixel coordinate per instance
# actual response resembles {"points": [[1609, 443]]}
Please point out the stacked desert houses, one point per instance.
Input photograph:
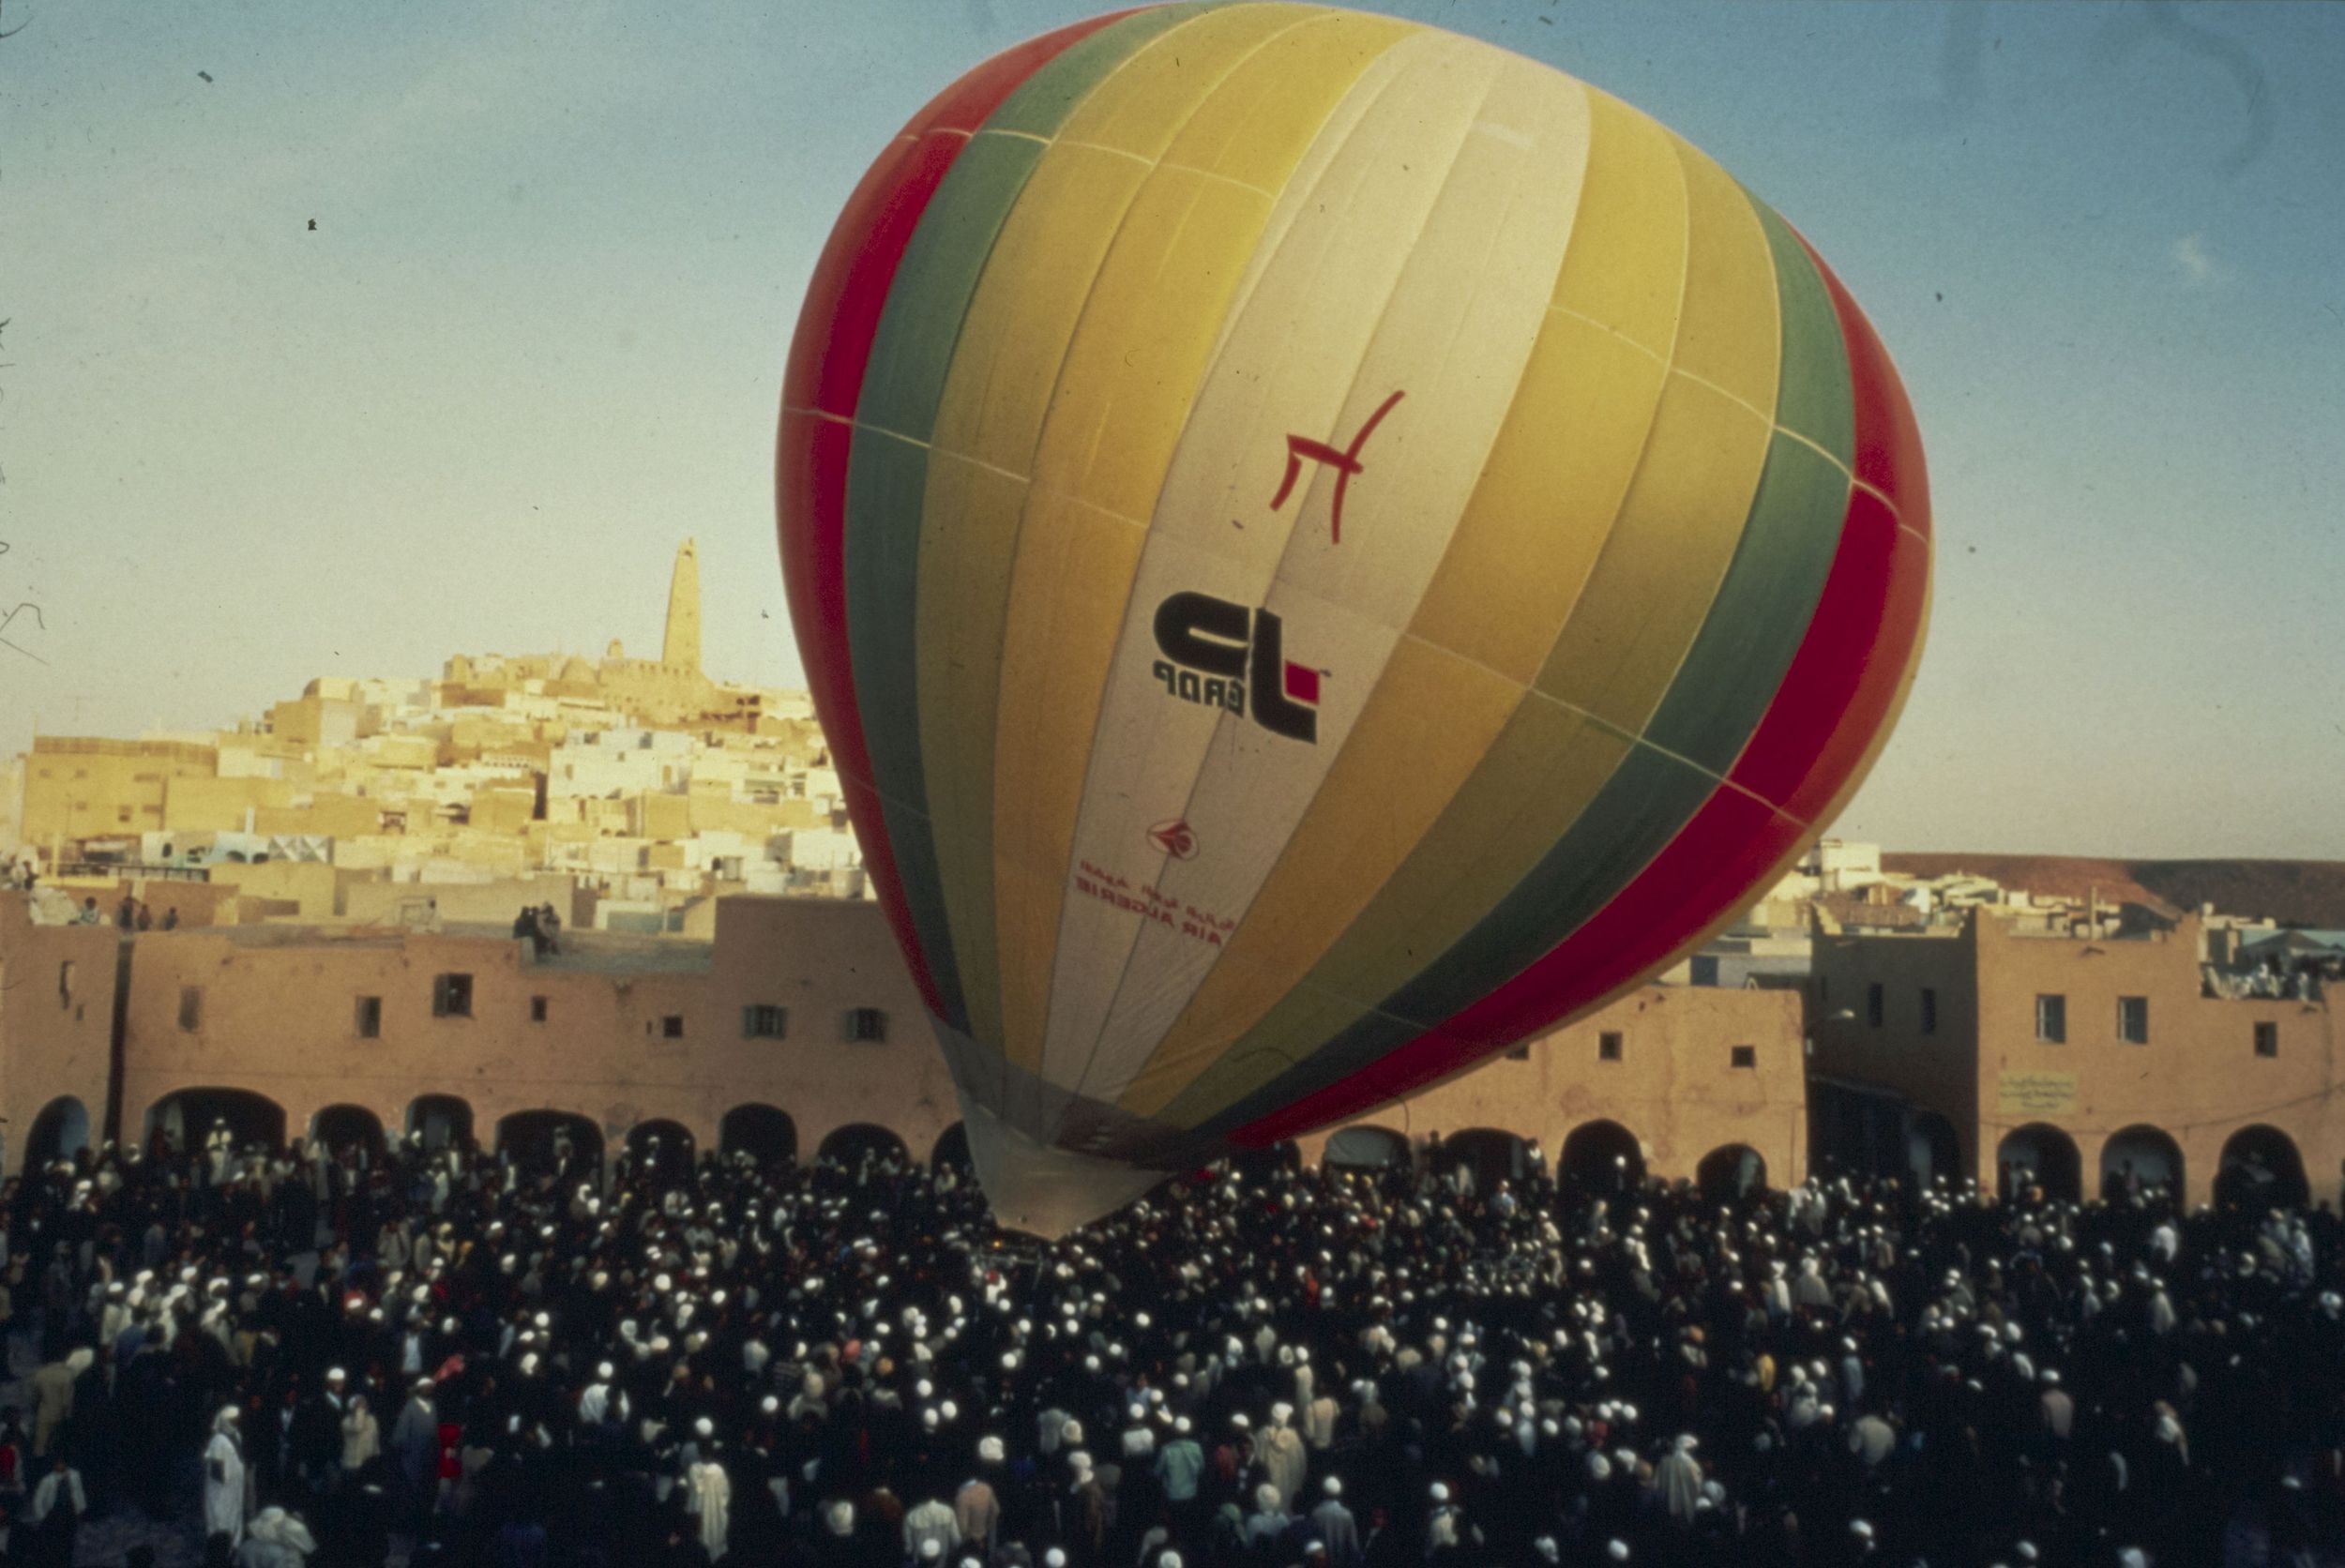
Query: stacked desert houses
{"points": [[625, 794]]}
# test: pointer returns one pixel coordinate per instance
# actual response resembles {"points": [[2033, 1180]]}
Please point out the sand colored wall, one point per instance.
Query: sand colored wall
{"points": [[325, 814], [1673, 1087], [494, 902], [2198, 1078], [56, 1030], [277, 1014], [99, 788], [222, 804], [196, 903], [279, 1010], [1937, 1071], [312, 887]]}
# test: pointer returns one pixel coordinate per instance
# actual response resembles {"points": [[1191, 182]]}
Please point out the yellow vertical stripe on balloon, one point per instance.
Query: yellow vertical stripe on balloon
{"points": [[1641, 201], [1450, 320], [1555, 484], [1660, 570], [988, 420], [1548, 491], [1692, 490], [1129, 371], [1005, 369], [1261, 127]]}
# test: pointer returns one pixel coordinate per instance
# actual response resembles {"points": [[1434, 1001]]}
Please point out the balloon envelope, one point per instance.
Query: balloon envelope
{"points": [[1321, 547]]}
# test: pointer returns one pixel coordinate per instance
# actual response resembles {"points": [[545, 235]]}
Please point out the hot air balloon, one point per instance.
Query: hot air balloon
{"points": [[1321, 547]]}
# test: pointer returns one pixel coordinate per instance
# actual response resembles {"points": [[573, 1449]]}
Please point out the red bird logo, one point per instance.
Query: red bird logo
{"points": [[1175, 839]]}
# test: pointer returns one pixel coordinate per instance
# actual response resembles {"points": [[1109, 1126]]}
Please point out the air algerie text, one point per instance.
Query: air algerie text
{"points": [[1172, 914]]}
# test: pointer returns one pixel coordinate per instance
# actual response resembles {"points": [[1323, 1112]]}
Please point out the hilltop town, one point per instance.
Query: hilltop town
{"points": [[626, 794]]}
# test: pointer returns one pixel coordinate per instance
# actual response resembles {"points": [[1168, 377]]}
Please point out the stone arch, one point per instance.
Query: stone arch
{"points": [[442, 1121], [550, 1143], [1488, 1155], [765, 1133], [1365, 1146], [661, 1148], [60, 1132], [187, 1116], [2140, 1157], [1601, 1156], [851, 1145], [952, 1148], [2261, 1167], [2039, 1155], [1732, 1172], [347, 1126]]}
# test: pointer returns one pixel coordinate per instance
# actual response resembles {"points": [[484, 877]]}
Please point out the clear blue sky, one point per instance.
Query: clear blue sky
{"points": [[537, 333]]}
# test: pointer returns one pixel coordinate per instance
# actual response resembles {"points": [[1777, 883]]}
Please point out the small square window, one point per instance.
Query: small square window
{"points": [[537, 1009], [762, 1021], [451, 995], [1608, 1046], [1746, 1056], [1519, 1053], [190, 1008], [2267, 1039], [867, 1025], [671, 1026], [2051, 1019], [369, 1017], [1930, 1011], [2133, 1019], [1876, 1004]]}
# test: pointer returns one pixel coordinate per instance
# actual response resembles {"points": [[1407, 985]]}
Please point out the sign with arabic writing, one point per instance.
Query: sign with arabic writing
{"points": [[2034, 1094]]}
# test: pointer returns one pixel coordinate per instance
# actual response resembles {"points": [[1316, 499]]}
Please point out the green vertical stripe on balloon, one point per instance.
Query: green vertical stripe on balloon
{"points": [[914, 346], [905, 381], [1738, 660], [1746, 644], [1814, 400], [1041, 105], [887, 470]]}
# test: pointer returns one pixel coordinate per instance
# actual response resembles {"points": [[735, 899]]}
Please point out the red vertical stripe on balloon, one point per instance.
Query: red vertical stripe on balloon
{"points": [[1888, 461], [1889, 444], [1834, 696], [837, 324]]}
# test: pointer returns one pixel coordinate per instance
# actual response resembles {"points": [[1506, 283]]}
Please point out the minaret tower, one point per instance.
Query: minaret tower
{"points": [[682, 648]]}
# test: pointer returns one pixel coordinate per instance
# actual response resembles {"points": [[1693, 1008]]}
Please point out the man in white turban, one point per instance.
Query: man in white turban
{"points": [[224, 1478], [711, 1501], [276, 1540], [1678, 1476], [1285, 1460], [1334, 1526]]}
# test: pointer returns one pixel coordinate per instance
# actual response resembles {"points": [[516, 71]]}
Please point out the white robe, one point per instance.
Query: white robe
{"points": [[1284, 1462], [712, 1500], [223, 1492]]}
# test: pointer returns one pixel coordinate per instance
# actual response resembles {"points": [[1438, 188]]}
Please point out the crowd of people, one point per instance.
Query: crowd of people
{"points": [[441, 1356]]}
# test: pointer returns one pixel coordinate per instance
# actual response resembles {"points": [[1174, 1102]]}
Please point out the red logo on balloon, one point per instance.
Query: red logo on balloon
{"points": [[1345, 462], [1175, 839]]}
